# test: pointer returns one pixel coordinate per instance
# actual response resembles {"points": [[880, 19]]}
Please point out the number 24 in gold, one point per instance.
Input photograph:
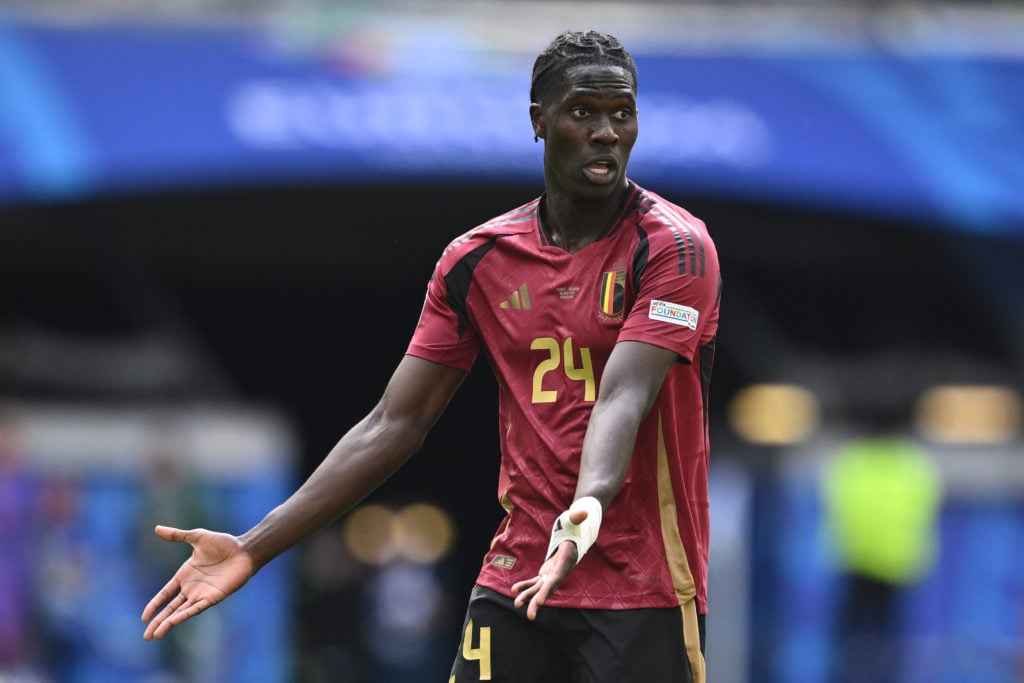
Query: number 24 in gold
{"points": [[562, 356]]}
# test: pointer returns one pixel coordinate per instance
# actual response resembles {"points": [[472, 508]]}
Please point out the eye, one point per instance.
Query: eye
{"points": [[624, 114], [580, 112]]}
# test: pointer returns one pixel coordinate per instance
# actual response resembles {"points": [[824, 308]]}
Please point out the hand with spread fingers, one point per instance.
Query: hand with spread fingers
{"points": [[219, 566], [551, 574]]}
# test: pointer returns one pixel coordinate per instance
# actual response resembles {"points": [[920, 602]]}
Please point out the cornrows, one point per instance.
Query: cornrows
{"points": [[573, 48]]}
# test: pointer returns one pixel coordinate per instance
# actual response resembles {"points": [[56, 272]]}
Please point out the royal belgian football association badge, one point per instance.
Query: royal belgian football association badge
{"points": [[612, 292]]}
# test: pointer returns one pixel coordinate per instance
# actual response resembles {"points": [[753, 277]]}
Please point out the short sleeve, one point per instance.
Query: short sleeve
{"points": [[676, 305], [443, 333]]}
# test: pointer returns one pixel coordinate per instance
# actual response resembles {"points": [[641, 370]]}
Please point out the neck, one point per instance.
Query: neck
{"points": [[573, 225]]}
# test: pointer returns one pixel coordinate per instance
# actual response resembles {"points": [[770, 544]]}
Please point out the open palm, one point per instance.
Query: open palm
{"points": [[218, 567]]}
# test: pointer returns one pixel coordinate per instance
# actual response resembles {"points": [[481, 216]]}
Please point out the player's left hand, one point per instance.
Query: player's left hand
{"points": [[537, 590]]}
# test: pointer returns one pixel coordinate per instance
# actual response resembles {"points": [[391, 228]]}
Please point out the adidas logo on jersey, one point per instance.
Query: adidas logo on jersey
{"points": [[504, 561], [518, 299]]}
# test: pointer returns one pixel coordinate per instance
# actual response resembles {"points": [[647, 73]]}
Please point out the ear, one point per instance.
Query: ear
{"points": [[537, 119]]}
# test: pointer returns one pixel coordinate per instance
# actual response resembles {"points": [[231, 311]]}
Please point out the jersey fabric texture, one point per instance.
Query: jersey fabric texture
{"points": [[547, 321]]}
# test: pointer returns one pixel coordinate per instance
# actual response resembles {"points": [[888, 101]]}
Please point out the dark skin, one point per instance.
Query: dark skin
{"points": [[589, 130], [589, 127]]}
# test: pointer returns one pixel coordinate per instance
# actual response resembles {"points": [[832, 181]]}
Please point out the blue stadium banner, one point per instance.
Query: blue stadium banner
{"points": [[93, 108]]}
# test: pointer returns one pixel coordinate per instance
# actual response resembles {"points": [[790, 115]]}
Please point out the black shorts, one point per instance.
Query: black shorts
{"points": [[564, 645]]}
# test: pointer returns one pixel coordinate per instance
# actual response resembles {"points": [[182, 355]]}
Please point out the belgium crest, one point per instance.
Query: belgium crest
{"points": [[612, 291]]}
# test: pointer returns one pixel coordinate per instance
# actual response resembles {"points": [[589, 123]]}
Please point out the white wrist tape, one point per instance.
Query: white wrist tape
{"points": [[583, 534]]}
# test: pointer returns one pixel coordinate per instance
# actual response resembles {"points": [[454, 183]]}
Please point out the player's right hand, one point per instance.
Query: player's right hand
{"points": [[218, 567]]}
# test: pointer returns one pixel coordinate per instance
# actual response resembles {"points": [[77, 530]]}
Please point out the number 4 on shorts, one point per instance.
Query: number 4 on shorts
{"points": [[481, 653]]}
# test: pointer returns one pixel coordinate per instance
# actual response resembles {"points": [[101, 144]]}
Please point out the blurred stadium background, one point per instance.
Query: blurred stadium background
{"points": [[217, 220]]}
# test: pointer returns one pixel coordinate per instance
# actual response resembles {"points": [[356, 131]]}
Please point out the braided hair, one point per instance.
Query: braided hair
{"points": [[573, 48]]}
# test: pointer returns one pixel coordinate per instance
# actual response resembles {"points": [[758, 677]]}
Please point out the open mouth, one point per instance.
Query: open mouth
{"points": [[600, 172]]}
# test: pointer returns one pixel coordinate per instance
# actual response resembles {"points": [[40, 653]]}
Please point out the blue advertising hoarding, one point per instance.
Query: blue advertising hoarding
{"points": [[96, 108]]}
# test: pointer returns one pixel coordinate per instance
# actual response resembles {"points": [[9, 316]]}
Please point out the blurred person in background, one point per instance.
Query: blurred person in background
{"points": [[64, 584], [596, 305], [406, 604], [332, 610], [172, 491], [18, 506], [882, 495]]}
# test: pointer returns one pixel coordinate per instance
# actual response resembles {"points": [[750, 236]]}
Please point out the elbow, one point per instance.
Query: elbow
{"points": [[397, 437]]}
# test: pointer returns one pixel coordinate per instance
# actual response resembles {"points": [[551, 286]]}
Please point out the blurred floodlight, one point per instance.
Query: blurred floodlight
{"points": [[421, 533], [774, 414], [425, 533], [970, 414], [370, 534]]}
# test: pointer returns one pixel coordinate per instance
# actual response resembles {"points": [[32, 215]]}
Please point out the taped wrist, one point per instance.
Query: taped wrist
{"points": [[583, 534]]}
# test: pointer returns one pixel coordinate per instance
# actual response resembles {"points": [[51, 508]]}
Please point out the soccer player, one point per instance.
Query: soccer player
{"points": [[597, 307]]}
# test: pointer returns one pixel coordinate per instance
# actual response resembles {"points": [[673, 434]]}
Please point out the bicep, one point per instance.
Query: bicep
{"points": [[635, 372], [418, 392]]}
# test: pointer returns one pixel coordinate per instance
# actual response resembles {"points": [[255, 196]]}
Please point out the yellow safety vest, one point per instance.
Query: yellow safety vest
{"points": [[881, 498]]}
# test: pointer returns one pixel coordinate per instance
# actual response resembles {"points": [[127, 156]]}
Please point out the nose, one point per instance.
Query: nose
{"points": [[603, 132]]}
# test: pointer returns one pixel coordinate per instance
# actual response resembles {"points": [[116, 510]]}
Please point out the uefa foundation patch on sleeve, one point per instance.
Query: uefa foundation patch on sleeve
{"points": [[673, 313]]}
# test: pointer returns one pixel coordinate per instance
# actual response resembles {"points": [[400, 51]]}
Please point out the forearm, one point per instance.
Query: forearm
{"points": [[360, 462], [608, 450]]}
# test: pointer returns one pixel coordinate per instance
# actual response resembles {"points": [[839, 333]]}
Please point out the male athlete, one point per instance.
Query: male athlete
{"points": [[597, 307]]}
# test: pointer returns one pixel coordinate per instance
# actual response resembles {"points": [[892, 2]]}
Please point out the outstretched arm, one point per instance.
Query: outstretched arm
{"points": [[630, 384], [416, 395]]}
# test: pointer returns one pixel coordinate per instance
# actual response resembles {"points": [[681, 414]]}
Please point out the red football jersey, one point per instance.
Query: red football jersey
{"points": [[547, 321]]}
